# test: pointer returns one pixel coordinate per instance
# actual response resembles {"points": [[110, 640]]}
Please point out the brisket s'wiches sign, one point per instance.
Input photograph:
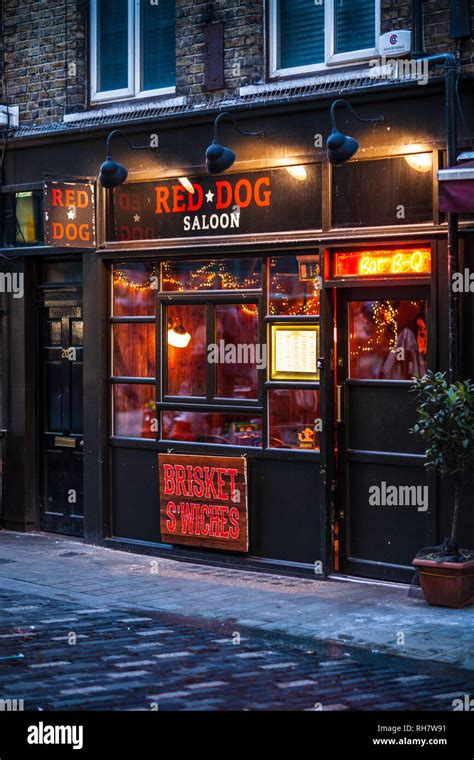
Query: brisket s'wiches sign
{"points": [[203, 501], [229, 204]]}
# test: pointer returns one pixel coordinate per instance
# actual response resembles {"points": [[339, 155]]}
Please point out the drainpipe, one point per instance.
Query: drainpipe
{"points": [[417, 49], [450, 118]]}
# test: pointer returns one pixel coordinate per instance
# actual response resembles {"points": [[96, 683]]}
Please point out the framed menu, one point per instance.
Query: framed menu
{"points": [[295, 349]]}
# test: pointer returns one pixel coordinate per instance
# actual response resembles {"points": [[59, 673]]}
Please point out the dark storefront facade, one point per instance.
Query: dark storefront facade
{"points": [[320, 291]]}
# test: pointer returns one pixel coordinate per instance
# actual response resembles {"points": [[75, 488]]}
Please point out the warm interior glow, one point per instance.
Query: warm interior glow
{"points": [[178, 339], [392, 263], [297, 172], [186, 184], [421, 162]]}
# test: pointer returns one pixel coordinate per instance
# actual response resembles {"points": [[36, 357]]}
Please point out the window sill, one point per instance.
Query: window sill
{"points": [[118, 108], [324, 76]]}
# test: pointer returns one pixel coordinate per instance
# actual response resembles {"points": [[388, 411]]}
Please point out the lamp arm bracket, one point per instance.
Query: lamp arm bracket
{"points": [[233, 119], [118, 132], [341, 101]]}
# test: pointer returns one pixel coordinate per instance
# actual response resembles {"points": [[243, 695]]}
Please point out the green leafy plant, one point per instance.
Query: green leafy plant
{"points": [[445, 423]]}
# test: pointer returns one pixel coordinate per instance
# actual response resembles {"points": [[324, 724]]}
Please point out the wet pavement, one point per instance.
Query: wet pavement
{"points": [[62, 655]]}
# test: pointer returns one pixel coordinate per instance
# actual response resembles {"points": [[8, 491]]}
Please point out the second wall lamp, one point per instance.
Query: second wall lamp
{"points": [[219, 158]]}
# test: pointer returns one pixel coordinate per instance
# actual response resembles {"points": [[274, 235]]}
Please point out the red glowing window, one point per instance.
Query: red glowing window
{"points": [[383, 263]]}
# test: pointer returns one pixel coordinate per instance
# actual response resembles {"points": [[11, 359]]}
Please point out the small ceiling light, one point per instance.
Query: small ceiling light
{"points": [[421, 162], [340, 147], [177, 334], [218, 158], [111, 173], [297, 172], [187, 184]]}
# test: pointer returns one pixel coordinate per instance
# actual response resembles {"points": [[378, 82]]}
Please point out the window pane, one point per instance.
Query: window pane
{"points": [[300, 33], [134, 411], [186, 350], [293, 289], [112, 44], [63, 271], [389, 191], [295, 419], [28, 217], [134, 290], [355, 25], [158, 47], [133, 350], [237, 351], [212, 274], [387, 339], [212, 427]]}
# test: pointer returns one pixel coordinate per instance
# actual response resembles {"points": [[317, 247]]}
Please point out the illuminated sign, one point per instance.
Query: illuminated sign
{"points": [[391, 263], [69, 214], [294, 352], [241, 203], [203, 501]]}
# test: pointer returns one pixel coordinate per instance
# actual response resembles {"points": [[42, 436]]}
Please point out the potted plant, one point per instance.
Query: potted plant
{"points": [[445, 423]]}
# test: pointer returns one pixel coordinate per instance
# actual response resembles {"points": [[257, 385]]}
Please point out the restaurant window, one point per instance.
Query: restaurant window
{"points": [[133, 48], [133, 350], [308, 35], [217, 380], [390, 191], [388, 340]]}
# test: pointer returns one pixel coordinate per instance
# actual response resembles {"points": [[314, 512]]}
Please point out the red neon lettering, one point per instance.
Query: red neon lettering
{"points": [[162, 195]]}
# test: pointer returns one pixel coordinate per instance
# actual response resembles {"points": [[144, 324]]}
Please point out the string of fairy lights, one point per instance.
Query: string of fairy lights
{"points": [[207, 277]]}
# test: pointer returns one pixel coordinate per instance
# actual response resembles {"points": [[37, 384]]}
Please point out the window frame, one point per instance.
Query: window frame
{"points": [[331, 58], [133, 90]]}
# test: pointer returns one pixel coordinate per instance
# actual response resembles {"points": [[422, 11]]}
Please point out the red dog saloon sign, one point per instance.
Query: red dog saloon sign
{"points": [[203, 501], [230, 204], [69, 214]]}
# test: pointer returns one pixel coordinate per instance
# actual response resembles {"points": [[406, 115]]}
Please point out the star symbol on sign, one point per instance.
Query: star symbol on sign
{"points": [[136, 218], [209, 196], [71, 214]]}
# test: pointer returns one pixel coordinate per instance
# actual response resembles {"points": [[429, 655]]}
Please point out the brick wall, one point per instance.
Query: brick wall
{"points": [[44, 57], [45, 47]]}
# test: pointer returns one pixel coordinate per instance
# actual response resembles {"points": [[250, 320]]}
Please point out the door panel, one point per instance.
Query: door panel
{"points": [[385, 500], [61, 417]]}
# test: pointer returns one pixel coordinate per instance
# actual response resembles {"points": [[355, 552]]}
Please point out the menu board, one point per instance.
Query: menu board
{"points": [[295, 350]]}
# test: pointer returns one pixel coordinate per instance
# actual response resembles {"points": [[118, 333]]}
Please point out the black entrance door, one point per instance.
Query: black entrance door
{"points": [[61, 445], [385, 504]]}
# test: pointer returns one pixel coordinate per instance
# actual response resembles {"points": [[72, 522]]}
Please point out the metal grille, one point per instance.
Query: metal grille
{"points": [[324, 86]]}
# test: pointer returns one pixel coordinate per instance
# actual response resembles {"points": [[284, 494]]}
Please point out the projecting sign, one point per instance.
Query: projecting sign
{"points": [[69, 214], [203, 501], [231, 204]]}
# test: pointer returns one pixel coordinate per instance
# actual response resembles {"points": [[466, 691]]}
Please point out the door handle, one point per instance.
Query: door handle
{"points": [[339, 403]]}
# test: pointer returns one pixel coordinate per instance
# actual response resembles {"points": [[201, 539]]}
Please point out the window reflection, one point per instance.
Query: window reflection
{"points": [[212, 274], [186, 358], [212, 427], [294, 417], [134, 411], [237, 347], [388, 339], [134, 287], [133, 350], [294, 286]]}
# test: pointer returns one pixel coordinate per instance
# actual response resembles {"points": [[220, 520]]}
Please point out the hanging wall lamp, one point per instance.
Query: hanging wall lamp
{"points": [[340, 147], [178, 336], [218, 158], [111, 173]]}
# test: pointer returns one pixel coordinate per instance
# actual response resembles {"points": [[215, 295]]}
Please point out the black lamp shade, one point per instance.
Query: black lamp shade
{"points": [[218, 158], [112, 173], [340, 148]]}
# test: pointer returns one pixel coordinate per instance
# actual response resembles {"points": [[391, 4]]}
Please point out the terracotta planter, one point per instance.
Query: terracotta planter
{"points": [[446, 584]]}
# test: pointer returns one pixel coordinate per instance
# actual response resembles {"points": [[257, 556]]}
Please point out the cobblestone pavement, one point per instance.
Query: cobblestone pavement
{"points": [[136, 660]]}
